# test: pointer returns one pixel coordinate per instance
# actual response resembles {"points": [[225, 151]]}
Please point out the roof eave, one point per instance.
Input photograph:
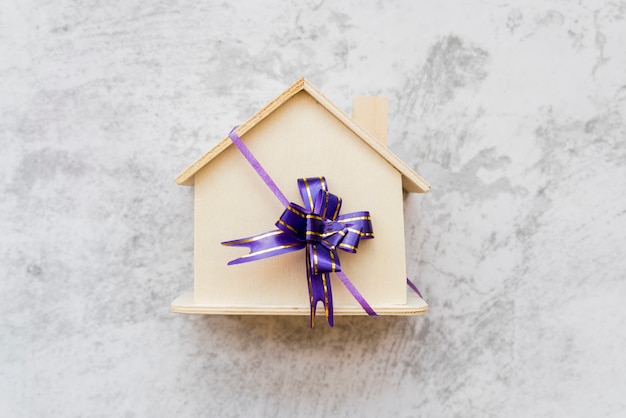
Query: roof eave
{"points": [[411, 181]]}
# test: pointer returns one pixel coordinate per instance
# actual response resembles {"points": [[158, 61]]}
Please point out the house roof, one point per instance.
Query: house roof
{"points": [[411, 181]]}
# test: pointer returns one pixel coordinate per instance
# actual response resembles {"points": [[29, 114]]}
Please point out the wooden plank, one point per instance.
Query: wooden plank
{"points": [[371, 113], [185, 304]]}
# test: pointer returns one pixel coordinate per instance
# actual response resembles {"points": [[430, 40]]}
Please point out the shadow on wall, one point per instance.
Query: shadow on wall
{"points": [[269, 364], [351, 334]]}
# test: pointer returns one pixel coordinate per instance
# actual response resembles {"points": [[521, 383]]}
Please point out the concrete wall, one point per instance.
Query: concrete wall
{"points": [[514, 111]]}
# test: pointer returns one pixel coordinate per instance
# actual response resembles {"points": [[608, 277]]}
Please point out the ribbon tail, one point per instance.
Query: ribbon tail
{"points": [[268, 244], [319, 291], [355, 293], [412, 286]]}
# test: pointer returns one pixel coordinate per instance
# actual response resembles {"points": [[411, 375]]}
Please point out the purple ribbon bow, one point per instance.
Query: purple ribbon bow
{"points": [[320, 229]]}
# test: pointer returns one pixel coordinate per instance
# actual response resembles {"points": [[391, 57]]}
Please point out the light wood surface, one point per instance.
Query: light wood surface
{"points": [[411, 181], [299, 139], [299, 134], [185, 304], [371, 113]]}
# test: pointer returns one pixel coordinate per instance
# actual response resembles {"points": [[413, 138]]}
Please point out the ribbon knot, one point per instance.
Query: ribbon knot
{"points": [[320, 229]]}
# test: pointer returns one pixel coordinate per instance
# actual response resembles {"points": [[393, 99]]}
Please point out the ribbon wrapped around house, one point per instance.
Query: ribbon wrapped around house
{"points": [[318, 227]]}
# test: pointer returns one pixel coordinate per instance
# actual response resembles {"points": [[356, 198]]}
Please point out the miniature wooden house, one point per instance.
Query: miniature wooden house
{"points": [[300, 134]]}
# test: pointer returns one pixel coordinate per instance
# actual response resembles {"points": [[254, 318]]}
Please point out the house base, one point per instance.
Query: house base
{"points": [[185, 304]]}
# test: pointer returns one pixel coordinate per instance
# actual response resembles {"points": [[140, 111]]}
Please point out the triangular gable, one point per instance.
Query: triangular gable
{"points": [[411, 181]]}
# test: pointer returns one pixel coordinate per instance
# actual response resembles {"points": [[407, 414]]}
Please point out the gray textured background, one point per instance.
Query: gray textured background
{"points": [[514, 112]]}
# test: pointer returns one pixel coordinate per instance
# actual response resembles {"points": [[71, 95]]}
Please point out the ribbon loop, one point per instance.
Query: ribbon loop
{"points": [[314, 228], [293, 222], [309, 189], [327, 205]]}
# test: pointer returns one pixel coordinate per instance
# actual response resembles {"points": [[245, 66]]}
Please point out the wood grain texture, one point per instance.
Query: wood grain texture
{"points": [[411, 181], [370, 112], [186, 304], [294, 133], [298, 139]]}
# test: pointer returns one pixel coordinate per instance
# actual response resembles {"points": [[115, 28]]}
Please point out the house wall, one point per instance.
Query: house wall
{"points": [[300, 139]]}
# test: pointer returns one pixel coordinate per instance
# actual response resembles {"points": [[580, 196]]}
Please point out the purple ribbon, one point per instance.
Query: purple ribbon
{"points": [[257, 167], [413, 287], [317, 227]]}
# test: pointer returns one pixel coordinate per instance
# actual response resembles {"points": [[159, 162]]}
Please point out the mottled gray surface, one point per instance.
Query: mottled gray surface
{"points": [[514, 111]]}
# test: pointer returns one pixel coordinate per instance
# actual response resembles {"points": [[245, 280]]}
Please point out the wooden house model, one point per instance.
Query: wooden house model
{"points": [[300, 134]]}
